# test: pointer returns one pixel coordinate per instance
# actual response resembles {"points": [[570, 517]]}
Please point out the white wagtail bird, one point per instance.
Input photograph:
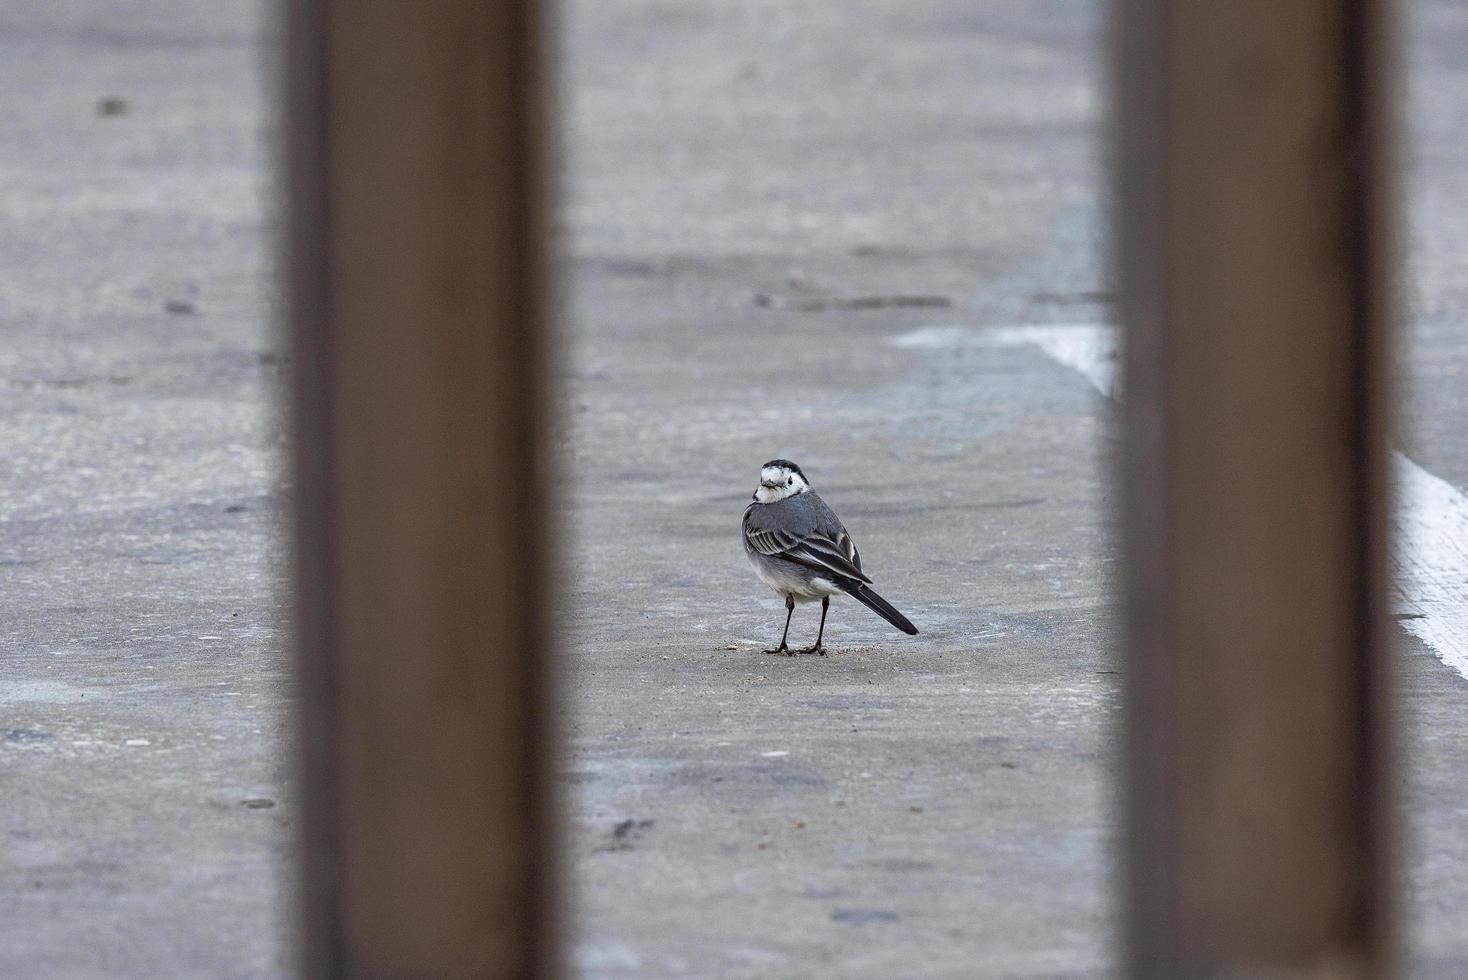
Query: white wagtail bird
{"points": [[800, 548]]}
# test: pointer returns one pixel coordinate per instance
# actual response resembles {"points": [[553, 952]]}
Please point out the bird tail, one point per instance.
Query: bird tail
{"points": [[862, 593]]}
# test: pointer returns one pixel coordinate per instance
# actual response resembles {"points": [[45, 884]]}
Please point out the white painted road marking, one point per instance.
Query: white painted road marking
{"points": [[1430, 523], [1432, 561]]}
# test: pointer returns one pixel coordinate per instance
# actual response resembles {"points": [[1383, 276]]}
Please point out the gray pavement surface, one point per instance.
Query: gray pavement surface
{"points": [[744, 180], [747, 180], [142, 649], [759, 199]]}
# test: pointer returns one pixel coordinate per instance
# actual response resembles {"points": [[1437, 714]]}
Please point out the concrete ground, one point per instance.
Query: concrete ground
{"points": [[765, 201], [143, 703], [762, 202]]}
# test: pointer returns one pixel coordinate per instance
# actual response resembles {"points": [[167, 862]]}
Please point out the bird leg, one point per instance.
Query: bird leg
{"points": [[789, 611], [816, 647]]}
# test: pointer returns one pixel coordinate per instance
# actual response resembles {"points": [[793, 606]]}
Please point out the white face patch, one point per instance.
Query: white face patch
{"points": [[777, 483]]}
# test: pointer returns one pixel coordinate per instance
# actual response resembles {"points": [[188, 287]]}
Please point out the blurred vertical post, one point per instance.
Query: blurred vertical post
{"points": [[1254, 256], [415, 275]]}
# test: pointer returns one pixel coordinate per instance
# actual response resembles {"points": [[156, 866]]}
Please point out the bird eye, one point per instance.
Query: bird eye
{"points": [[790, 481]]}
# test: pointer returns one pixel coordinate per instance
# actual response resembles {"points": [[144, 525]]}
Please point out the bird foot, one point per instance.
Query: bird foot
{"points": [[813, 648], [782, 648]]}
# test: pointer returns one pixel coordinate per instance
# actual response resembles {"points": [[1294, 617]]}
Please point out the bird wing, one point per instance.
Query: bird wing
{"points": [[807, 533]]}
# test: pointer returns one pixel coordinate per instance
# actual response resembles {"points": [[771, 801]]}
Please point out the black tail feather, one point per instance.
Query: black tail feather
{"points": [[863, 593]]}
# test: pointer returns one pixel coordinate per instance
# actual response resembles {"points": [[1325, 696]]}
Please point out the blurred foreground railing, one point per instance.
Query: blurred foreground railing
{"points": [[1254, 249], [416, 273]]}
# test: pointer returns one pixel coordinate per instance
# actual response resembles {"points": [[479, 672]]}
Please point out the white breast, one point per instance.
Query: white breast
{"points": [[786, 579]]}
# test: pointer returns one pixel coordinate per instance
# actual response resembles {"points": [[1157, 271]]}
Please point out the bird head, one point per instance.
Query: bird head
{"points": [[778, 479]]}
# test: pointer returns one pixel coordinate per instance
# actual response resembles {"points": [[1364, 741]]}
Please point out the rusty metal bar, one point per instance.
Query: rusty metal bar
{"points": [[416, 276], [1253, 252]]}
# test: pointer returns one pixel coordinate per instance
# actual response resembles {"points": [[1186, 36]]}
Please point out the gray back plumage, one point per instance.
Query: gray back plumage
{"points": [[803, 529], [801, 515]]}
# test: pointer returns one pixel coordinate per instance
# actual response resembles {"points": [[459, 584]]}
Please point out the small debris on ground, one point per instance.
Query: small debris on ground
{"points": [[862, 917], [111, 105], [626, 833], [257, 803], [818, 304], [1073, 299]]}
